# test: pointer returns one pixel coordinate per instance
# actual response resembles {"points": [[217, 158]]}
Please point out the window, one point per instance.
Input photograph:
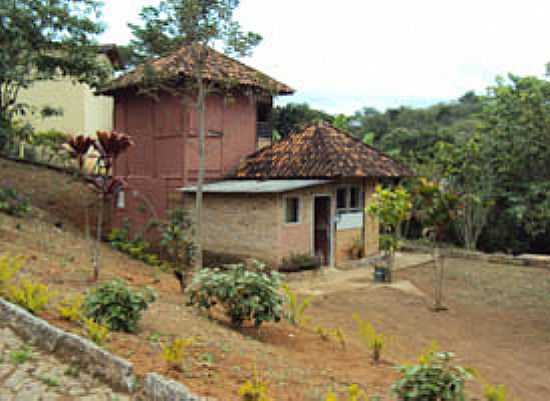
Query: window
{"points": [[292, 210], [348, 199]]}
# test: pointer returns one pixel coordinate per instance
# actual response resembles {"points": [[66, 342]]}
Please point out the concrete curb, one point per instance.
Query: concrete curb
{"points": [[539, 261], [113, 370], [159, 388]]}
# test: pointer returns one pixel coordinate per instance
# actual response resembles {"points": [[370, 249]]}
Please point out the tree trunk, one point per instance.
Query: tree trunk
{"points": [[201, 108], [439, 276], [97, 251]]}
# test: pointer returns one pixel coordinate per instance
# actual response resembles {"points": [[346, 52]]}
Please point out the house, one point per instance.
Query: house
{"points": [[82, 111], [304, 194], [165, 129]]}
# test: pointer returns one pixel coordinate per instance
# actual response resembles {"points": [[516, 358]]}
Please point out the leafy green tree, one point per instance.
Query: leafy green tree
{"points": [[516, 125], [294, 117], [199, 25], [41, 40], [467, 174], [391, 206]]}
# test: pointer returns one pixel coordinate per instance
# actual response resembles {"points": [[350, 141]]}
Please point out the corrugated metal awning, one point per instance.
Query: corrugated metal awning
{"points": [[255, 186]]}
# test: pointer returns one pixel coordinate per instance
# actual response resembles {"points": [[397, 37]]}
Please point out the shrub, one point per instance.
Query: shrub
{"points": [[374, 340], [244, 295], [12, 203], [71, 308], [137, 248], [117, 306], [299, 261], [175, 352], [328, 334], [434, 380], [9, 267], [34, 297], [95, 331], [295, 310]]}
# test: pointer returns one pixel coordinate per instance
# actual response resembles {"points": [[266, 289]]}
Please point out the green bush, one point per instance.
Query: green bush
{"points": [[117, 306], [299, 261], [12, 203], [137, 248], [244, 294], [433, 379]]}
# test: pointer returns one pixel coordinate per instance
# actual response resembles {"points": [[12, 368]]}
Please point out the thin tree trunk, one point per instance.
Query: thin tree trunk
{"points": [[439, 277], [200, 182], [97, 255]]}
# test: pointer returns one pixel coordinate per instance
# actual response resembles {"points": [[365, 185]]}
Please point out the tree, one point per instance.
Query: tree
{"points": [[293, 117], [516, 125], [391, 206], [108, 147], [467, 173], [41, 40], [199, 25], [436, 207]]}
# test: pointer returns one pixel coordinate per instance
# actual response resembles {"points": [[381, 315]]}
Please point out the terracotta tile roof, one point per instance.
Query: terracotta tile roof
{"points": [[320, 151], [219, 68]]}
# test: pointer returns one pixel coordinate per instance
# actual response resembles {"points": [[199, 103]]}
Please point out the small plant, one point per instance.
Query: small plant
{"points": [[255, 389], [9, 267], [244, 294], [178, 242], [49, 381], [21, 355], [434, 380], [494, 393], [374, 340], [299, 261], [328, 334], [95, 331], [70, 308], [175, 352], [72, 370], [357, 248], [34, 297], [295, 310], [354, 394], [117, 306], [12, 203]]}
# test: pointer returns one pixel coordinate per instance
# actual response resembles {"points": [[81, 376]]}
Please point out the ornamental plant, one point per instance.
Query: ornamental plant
{"points": [[12, 203], [295, 309], [34, 297], [9, 267], [108, 146], [244, 295], [375, 341], [175, 352], [434, 379], [117, 306]]}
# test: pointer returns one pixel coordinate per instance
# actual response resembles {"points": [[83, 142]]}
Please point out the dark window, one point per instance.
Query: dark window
{"points": [[292, 210], [215, 133], [348, 199], [342, 198], [354, 199]]}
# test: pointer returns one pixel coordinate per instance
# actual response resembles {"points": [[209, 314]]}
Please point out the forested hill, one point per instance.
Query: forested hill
{"points": [[493, 151]]}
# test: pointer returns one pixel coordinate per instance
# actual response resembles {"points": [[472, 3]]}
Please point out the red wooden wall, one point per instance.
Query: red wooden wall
{"points": [[165, 155]]}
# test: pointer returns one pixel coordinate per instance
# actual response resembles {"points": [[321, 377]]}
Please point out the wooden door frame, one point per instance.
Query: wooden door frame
{"points": [[331, 222]]}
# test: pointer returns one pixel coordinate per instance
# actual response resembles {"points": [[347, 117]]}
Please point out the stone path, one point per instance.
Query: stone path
{"points": [[26, 374]]}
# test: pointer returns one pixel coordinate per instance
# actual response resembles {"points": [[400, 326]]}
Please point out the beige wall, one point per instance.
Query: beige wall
{"points": [[83, 112], [254, 226]]}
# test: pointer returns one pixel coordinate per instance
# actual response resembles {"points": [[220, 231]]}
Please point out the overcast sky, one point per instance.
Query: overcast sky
{"points": [[343, 55]]}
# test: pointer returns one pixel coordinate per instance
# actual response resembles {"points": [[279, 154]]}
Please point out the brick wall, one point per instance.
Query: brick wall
{"points": [[254, 225]]}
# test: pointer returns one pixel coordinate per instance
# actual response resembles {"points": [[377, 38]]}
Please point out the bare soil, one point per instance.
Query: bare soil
{"points": [[498, 319]]}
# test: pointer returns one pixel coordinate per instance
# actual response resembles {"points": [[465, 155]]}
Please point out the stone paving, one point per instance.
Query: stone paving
{"points": [[26, 374]]}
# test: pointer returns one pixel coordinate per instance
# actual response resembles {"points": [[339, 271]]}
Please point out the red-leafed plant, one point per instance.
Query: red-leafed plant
{"points": [[108, 147]]}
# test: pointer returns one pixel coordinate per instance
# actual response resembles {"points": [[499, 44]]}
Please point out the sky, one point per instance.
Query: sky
{"points": [[344, 55]]}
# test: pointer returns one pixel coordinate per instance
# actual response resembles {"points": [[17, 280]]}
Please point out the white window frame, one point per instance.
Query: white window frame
{"points": [[348, 208], [298, 213]]}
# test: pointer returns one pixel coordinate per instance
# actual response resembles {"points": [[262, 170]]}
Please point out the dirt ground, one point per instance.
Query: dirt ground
{"points": [[498, 319]]}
